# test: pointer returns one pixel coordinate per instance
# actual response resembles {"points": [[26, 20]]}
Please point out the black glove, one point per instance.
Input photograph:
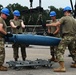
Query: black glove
{"points": [[50, 34], [18, 27], [19, 33], [9, 34]]}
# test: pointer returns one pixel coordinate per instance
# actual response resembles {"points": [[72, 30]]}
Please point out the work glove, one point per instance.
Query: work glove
{"points": [[50, 34], [19, 33], [6, 37], [18, 27], [9, 34]]}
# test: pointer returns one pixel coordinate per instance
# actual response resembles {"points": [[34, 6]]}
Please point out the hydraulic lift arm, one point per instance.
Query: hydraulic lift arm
{"points": [[73, 10]]}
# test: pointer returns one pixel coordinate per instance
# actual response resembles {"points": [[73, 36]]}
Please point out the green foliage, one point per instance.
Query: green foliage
{"points": [[58, 11], [1, 7], [13, 7], [34, 16]]}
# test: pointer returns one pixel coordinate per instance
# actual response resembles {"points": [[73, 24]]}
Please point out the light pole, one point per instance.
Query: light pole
{"points": [[40, 3], [31, 1]]}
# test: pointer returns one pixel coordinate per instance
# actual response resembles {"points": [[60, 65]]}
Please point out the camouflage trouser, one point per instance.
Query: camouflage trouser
{"points": [[2, 51], [15, 50], [66, 40], [72, 50], [53, 50]]}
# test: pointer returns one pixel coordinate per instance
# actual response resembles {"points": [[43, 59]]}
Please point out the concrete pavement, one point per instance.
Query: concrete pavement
{"points": [[40, 52]]}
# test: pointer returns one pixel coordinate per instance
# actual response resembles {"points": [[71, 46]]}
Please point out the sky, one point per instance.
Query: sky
{"points": [[45, 3]]}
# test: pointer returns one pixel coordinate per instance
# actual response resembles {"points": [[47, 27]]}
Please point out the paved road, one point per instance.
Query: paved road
{"points": [[41, 52]]}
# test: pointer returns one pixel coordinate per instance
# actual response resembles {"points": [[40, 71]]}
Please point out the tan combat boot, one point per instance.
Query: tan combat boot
{"points": [[61, 68], [73, 65], [3, 68]]}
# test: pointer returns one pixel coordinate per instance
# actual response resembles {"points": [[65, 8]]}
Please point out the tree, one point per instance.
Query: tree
{"points": [[1, 6], [58, 11], [13, 7]]}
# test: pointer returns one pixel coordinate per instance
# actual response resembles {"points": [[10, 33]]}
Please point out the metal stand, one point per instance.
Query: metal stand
{"points": [[18, 65]]}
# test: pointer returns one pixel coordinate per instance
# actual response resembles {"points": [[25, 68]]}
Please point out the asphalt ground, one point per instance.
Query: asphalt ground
{"points": [[40, 52]]}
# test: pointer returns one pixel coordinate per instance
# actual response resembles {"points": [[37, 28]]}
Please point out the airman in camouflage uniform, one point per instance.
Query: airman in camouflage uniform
{"points": [[4, 14], [72, 49], [17, 25], [68, 32], [55, 32]]}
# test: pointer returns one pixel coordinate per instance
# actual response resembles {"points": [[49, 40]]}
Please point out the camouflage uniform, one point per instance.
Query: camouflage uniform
{"points": [[2, 50], [53, 48], [17, 45], [72, 46], [68, 32], [72, 50]]}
